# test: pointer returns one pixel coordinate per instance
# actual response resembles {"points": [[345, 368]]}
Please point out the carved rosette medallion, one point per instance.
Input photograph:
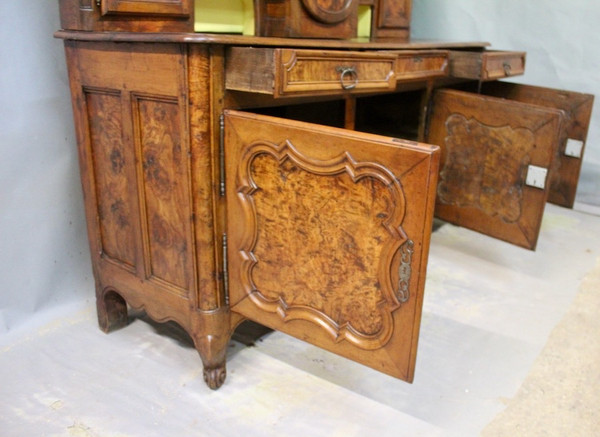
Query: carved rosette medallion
{"points": [[484, 167], [319, 241]]}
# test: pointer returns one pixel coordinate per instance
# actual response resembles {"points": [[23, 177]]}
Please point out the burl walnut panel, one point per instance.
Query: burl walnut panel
{"points": [[110, 163], [323, 242], [166, 196], [487, 146]]}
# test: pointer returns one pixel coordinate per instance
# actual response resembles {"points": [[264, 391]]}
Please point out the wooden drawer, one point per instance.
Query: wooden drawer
{"points": [[290, 72], [486, 65], [421, 64]]}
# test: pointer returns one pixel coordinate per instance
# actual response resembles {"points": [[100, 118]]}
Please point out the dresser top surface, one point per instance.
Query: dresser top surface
{"points": [[209, 38]]}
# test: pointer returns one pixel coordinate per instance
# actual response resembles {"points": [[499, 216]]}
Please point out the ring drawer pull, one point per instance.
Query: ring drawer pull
{"points": [[348, 77], [507, 68]]}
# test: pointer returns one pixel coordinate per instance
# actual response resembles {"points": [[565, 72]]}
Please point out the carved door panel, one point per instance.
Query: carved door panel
{"points": [[150, 7], [578, 110], [496, 155], [328, 235]]}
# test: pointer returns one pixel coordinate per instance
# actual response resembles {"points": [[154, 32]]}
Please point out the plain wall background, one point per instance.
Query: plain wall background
{"points": [[44, 261]]}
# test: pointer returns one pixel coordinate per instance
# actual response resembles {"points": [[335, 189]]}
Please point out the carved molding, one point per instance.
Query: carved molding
{"points": [[389, 222]]}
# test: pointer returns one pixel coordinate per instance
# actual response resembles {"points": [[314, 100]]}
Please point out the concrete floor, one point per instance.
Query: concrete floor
{"points": [[497, 322]]}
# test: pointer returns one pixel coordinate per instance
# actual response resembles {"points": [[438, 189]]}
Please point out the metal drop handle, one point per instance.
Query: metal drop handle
{"points": [[348, 77], [507, 68]]}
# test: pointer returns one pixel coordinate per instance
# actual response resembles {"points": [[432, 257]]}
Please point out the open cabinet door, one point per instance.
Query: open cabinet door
{"points": [[578, 111], [328, 235], [496, 156]]}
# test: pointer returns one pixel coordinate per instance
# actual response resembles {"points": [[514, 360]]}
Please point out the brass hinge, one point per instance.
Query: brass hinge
{"points": [[225, 269], [222, 154]]}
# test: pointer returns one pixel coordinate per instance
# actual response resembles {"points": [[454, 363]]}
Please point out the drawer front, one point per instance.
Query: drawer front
{"points": [[497, 65], [421, 65], [310, 72], [486, 65]]}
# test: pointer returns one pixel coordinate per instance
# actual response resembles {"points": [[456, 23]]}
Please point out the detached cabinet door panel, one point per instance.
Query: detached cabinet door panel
{"points": [[496, 155], [147, 7], [328, 235]]}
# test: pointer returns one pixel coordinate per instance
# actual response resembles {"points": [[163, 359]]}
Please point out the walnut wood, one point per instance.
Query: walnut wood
{"points": [[487, 144], [285, 72], [486, 65], [328, 230], [307, 18], [242, 40], [316, 219], [391, 19], [577, 108], [130, 16]]}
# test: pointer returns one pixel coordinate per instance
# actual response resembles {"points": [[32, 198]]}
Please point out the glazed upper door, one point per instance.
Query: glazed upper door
{"points": [[150, 7], [496, 157], [328, 234]]}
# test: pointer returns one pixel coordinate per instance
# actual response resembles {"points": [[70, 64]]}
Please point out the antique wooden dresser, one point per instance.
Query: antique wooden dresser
{"points": [[293, 181]]}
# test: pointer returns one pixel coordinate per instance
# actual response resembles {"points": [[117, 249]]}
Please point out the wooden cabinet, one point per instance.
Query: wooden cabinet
{"points": [[391, 19], [294, 182], [146, 7]]}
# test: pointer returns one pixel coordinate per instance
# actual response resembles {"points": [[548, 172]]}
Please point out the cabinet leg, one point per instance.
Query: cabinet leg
{"points": [[112, 310], [211, 338]]}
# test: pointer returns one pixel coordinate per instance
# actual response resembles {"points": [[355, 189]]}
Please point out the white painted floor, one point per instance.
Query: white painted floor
{"points": [[489, 310]]}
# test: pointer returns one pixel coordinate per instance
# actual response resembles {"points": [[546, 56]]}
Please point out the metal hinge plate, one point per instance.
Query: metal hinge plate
{"points": [[222, 154], [574, 148], [536, 177], [225, 269]]}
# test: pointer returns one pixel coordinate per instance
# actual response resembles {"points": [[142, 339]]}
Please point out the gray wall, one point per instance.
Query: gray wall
{"points": [[44, 259], [562, 41]]}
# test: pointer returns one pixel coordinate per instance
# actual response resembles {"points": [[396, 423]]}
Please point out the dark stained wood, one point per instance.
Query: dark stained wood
{"points": [[321, 222], [127, 16], [246, 41], [486, 65], [391, 19], [336, 19], [577, 108], [487, 145], [147, 7]]}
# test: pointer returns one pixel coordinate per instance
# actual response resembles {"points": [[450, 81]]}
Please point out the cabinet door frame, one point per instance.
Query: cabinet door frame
{"points": [[328, 235]]}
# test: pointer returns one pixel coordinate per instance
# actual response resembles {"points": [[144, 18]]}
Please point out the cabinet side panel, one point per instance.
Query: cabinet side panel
{"points": [[166, 195], [110, 163]]}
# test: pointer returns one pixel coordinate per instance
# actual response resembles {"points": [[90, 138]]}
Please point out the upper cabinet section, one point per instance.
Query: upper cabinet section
{"points": [[145, 7], [324, 19], [127, 15]]}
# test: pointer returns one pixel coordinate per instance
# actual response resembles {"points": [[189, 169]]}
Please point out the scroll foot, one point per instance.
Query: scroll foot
{"points": [[214, 377]]}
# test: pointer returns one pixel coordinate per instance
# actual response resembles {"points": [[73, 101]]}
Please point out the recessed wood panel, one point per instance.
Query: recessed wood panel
{"points": [[487, 147], [328, 234], [578, 109], [166, 192], [147, 7], [111, 160]]}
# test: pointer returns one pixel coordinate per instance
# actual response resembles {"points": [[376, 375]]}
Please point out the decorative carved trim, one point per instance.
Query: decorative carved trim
{"points": [[405, 271], [344, 163]]}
